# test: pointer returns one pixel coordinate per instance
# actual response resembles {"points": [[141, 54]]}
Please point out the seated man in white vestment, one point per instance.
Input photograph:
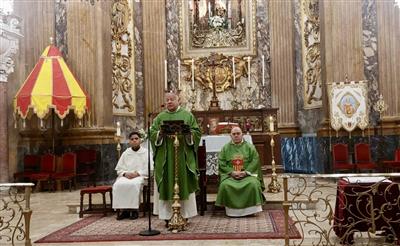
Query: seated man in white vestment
{"points": [[241, 182], [131, 169]]}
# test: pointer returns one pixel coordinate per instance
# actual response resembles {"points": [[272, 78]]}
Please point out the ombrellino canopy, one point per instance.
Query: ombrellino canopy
{"points": [[51, 85]]}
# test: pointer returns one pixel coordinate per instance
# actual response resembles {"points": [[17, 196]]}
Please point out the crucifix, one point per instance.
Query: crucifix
{"points": [[212, 64]]}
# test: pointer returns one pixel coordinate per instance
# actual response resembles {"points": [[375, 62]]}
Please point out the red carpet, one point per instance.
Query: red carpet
{"points": [[213, 225]]}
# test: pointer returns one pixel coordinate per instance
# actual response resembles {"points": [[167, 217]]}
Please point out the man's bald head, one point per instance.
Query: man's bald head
{"points": [[171, 101], [236, 135]]}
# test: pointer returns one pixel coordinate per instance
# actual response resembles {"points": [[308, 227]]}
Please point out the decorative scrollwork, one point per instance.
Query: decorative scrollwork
{"points": [[331, 211], [12, 227], [312, 54], [218, 68], [123, 98], [218, 37]]}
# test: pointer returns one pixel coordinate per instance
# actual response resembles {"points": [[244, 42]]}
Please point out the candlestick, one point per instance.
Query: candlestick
{"points": [[192, 73], [233, 72], [179, 74], [263, 70], [248, 69], [166, 75], [118, 134], [271, 123]]}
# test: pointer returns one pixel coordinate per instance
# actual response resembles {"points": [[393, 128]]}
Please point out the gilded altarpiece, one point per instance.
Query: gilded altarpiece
{"points": [[310, 25], [123, 81]]}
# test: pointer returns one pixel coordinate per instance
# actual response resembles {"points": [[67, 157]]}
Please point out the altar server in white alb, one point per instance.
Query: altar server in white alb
{"points": [[131, 169]]}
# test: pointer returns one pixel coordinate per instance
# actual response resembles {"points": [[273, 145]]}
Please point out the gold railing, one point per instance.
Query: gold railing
{"points": [[14, 216], [342, 209]]}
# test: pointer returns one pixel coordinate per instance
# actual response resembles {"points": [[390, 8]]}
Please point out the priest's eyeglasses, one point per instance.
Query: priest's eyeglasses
{"points": [[134, 138]]}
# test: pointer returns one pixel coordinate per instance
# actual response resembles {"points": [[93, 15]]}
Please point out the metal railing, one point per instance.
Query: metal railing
{"points": [[15, 213], [342, 209]]}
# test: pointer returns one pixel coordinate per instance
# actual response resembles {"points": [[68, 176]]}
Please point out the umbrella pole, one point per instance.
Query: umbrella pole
{"points": [[52, 130]]}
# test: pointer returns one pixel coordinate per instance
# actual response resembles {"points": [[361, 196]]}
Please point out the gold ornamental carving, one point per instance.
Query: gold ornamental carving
{"points": [[311, 54], [123, 96], [218, 69]]}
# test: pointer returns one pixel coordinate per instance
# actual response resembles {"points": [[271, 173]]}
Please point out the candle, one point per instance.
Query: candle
{"points": [[271, 123], [209, 9], [166, 75], [233, 72], [263, 70], [179, 74], [248, 69], [118, 129], [192, 73]]}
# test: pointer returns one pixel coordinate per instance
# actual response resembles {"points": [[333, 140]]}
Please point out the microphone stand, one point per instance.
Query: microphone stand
{"points": [[149, 231]]}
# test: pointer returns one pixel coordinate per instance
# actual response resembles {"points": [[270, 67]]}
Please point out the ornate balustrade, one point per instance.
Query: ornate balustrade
{"points": [[343, 209], [15, 213]]}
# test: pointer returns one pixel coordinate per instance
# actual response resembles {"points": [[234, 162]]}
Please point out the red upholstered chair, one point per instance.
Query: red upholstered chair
{"points": [[341, 162], [31, 165], [68, 172], [363, 157], [47, 169], [86, 165], [394, 165]]}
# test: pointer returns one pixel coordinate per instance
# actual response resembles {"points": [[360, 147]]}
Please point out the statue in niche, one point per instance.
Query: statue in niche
{"points": [[217, 23]]}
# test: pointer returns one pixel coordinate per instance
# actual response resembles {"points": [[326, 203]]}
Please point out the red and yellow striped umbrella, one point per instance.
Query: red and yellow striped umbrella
{"points": [[51, 85]]}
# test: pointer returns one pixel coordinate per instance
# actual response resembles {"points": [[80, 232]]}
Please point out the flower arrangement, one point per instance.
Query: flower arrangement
{"points": [[217, 22], [143, 134]]}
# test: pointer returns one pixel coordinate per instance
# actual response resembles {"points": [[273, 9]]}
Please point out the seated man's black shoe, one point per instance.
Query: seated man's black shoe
{"points": [[123, 215], [166, 223], [134, 215]]}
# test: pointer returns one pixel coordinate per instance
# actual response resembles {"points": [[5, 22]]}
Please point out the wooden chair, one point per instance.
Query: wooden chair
{"points": [[68, 173], [363, 158], [201, 197], [96, 190], [394, 165], [31, 166], [86, 165], [340, 154]]}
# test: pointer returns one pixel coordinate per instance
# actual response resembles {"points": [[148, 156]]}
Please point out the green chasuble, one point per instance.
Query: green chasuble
{"points": [[164, 156], [246, 192]]}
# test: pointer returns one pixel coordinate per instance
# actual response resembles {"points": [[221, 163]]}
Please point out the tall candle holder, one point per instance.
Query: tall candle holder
{"points": [[193, 98], [248, 100], [235, 103], [118, 139], [274, 186], [380, 107], [177, 222]]}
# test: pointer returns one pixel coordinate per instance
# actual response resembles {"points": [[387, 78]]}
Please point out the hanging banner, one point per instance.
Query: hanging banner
{"points": [[348, 105]]}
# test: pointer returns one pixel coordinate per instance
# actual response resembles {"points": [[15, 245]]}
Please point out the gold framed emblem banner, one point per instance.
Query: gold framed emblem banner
{"points": [[348, 105], [227, 27]]}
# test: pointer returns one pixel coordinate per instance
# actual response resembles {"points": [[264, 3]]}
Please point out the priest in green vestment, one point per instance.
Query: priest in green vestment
{"points": [[241, 181], [164, 159]]}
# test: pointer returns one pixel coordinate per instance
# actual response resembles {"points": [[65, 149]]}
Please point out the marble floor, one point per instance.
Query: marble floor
{"points": [[56, 210], [51, 212]]}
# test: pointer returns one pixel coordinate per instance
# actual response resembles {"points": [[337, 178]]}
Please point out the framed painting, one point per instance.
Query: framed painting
{"points": [[217, 26]]}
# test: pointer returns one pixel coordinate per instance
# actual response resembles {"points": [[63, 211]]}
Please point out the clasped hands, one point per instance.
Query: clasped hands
{"points": [[131, 175], [238, 174]]}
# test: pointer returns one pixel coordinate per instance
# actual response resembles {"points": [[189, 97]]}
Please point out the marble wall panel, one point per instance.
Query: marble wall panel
{"points": [[370, 50], [313, 154]]}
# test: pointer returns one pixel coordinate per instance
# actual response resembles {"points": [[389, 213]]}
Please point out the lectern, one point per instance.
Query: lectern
{"points": [[173, 129]]}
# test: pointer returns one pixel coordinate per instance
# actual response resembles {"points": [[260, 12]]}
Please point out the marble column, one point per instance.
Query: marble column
{"points": [[9, 34]]}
